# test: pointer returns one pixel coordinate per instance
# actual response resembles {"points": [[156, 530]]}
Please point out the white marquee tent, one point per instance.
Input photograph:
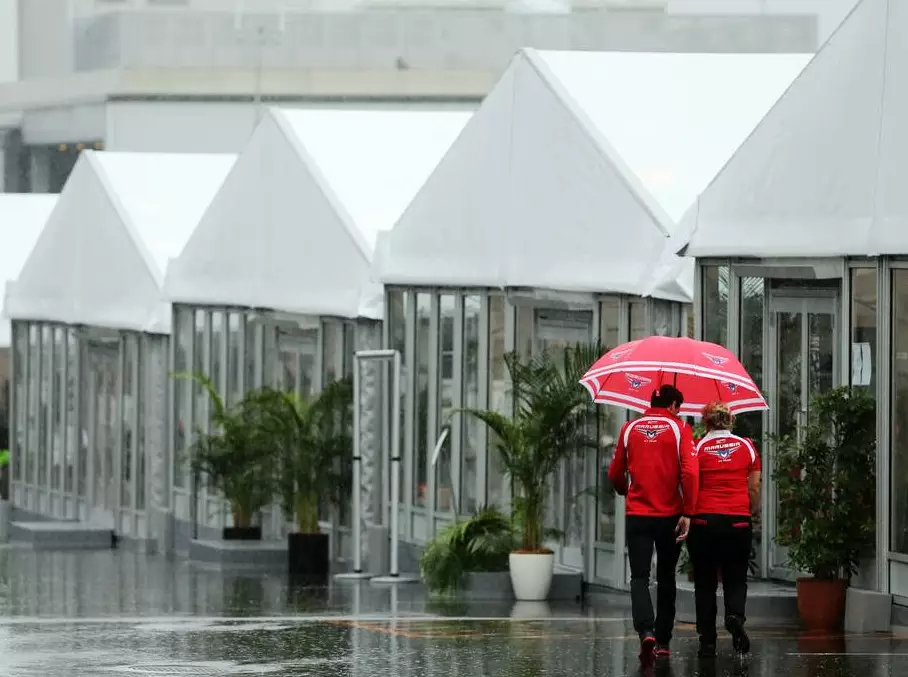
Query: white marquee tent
{"points": [[22, 218], [824, 172], [100, 261], [576, 167], [294, 226]]}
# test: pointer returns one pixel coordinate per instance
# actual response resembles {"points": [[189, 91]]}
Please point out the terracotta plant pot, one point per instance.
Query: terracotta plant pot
{"points": [[821, 604]]}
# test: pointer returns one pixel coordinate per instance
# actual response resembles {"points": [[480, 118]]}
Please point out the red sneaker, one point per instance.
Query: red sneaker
{"points": [[647, 648], [661, 652]]}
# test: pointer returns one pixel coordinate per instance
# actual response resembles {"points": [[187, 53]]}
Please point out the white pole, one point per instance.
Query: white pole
{"points": [[357, 475], [395, 465]]}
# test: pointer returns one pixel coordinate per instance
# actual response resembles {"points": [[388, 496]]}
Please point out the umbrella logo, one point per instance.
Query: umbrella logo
{"points": [[637, 382], [732, 387], [618, 355], [715, 359]]}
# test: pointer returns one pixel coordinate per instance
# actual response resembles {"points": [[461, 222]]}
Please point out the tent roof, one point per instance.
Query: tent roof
{"points": [[823, 173], [22, 217], [101, 258], [570, 154], [302, 209]]}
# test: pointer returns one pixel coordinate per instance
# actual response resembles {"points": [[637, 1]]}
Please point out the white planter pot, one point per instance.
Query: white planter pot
{"points": [[531, 575]]}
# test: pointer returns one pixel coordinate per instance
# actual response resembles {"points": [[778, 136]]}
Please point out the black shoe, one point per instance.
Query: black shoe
{"points": [[707, 649], [739, 639]]}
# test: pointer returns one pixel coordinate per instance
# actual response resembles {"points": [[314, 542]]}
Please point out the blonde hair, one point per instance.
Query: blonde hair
{"points": [[717, 416]]}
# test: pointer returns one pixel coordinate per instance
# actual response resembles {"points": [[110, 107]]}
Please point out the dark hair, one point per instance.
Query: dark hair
{"points": [[665, 396]]}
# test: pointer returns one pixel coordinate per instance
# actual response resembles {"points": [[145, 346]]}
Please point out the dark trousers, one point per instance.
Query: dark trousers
{"points": [[643, 535], [719, 543]]}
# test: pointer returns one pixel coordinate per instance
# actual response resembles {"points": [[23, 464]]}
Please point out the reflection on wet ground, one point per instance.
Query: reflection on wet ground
{"points": [[123, 613]]}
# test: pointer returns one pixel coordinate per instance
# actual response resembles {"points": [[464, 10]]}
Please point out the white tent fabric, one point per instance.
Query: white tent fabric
{"points": [[572, 173], [824, 172], [22, 218], [294, 227], [101, 258]]}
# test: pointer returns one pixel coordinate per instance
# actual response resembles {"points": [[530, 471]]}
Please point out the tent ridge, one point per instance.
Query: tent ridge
{"points": [[658, 215], [324, 185]]}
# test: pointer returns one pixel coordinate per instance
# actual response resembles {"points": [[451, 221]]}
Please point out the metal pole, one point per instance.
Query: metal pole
{"points": [[394, 575], [357, 475], [395, 468]]}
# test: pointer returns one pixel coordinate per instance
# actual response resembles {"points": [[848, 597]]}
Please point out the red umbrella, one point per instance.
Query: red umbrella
{"points": [[626, 376]]}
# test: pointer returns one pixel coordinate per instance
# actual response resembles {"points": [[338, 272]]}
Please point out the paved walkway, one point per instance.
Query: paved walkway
{"points": [[108, 613]]}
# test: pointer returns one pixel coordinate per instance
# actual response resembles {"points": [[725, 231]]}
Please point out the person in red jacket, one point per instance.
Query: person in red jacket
{"points": [[655, 467], [721, 531]]}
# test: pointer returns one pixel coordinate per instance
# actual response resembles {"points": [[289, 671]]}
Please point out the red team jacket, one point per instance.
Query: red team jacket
{"points": [[725, 462], [654, 458]]}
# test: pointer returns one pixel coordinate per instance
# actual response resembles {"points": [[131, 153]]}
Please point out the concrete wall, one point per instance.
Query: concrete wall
{"points": [[409, 39], [9, 40]]}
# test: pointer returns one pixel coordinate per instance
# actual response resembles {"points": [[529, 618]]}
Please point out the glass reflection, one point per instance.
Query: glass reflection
{"points": [[609, 423], [126, 414], [333, 346], [234, 358], [142, 399], [899, 417], [397, 332], [471, 428], [715, 304], [752, 300], [863, 328], [182, 395], [421, 410], [20, 401], [34, 386], [637, 312], [73, 462], [44, 437], [57, 433], [443, 475], [499, 399]]}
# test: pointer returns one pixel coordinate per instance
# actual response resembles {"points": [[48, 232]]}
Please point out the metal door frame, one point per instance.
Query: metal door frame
{"points": [[803, 301], [573, 557], [104, 515]]}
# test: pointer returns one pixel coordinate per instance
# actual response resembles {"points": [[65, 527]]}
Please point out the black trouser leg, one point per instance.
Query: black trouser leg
{"points": [[737, 540], [640, 553], [701, 547], [667, 551]]}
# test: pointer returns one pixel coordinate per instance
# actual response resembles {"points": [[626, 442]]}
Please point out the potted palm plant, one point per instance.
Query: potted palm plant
{"points": [[313, 444], [481, 543], [827, 497], [553, 419], [236, 457]]}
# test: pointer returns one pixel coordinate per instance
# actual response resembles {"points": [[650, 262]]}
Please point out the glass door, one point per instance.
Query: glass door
{"points": [[555, 331], [103, 374], [803, 364]]}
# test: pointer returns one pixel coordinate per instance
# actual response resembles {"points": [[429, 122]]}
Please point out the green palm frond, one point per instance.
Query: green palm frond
{"points": [[553, 419]]}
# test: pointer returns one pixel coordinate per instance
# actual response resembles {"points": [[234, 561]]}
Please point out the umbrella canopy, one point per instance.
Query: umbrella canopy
{"points": [[626, 376]]}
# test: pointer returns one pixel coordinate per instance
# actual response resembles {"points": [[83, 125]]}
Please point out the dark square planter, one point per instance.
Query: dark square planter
{"points": [[242, 533], [309, 558]]}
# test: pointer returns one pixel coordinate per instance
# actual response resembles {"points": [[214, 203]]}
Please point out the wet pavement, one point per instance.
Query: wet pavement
{"points": [[110, 613]]}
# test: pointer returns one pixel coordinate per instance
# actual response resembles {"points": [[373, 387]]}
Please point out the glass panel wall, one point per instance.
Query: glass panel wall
{"points": [[863, 329], [444, 480], [58, 467], [610, 421], [752, 300], [472, 431], [899, 413], [421, 408], [397, 333], [714, 300], [34, 387], [20, 400], [182, 395], [497, 491]]}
